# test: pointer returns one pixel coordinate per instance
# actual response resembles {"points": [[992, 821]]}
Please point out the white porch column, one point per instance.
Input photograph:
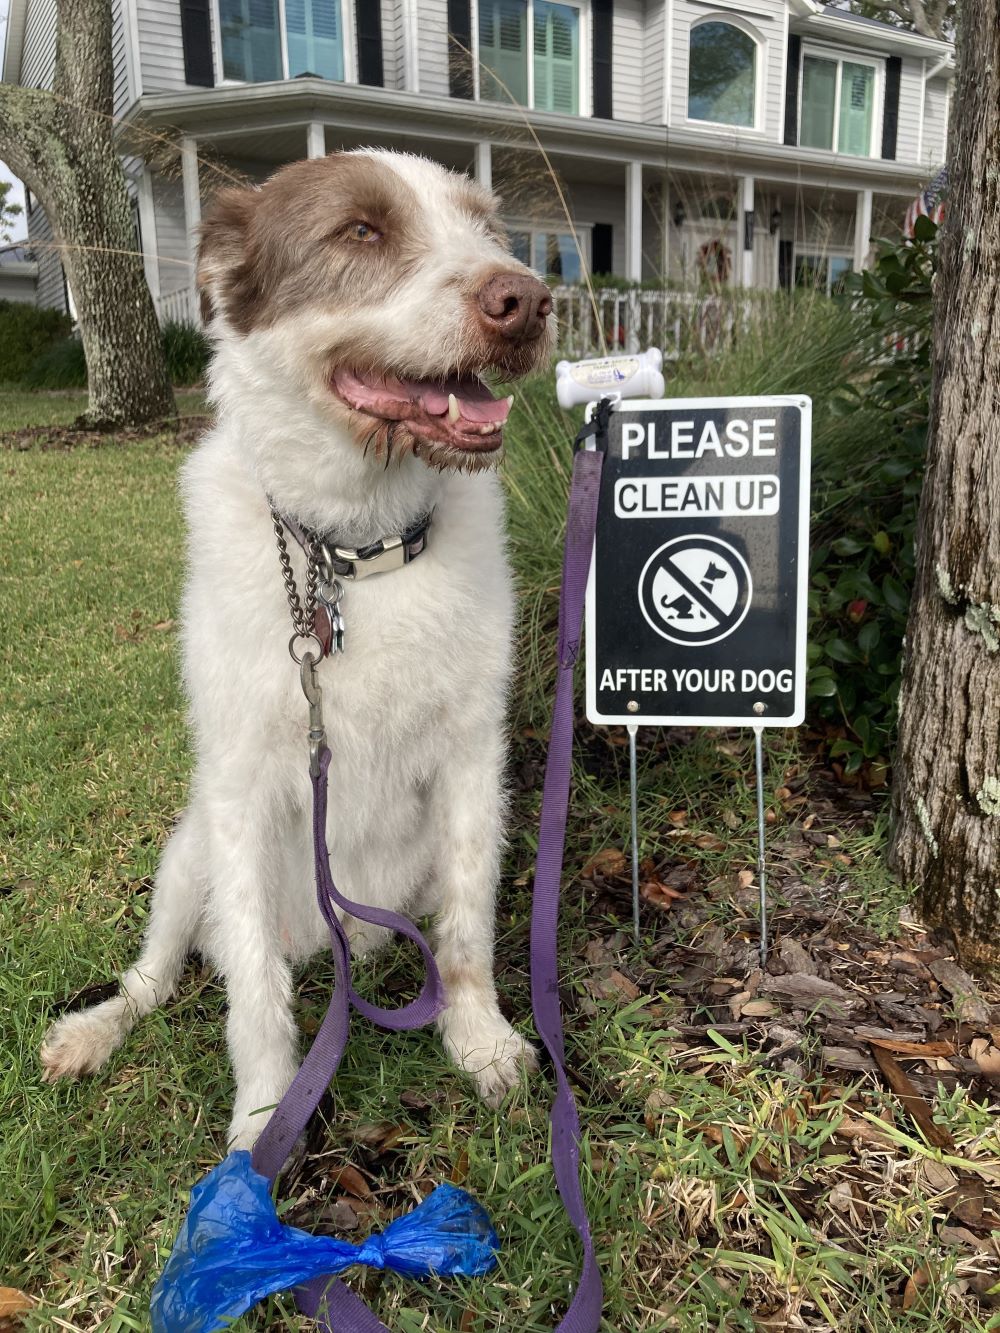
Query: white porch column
{"points": [[315, 139], [484, 163], [192, 199], [744, 232], [666, 224], [633, 221], [147, 232], [862, 229]]}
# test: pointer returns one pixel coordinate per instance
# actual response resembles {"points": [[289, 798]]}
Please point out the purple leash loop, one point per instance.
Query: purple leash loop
{"points": [[335, 1307]]}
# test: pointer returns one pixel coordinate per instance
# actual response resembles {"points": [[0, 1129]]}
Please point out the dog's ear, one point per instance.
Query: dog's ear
{"points": [[224, 259]]}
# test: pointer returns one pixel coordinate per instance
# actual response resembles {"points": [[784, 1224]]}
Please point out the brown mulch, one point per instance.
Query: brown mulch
{"points": [[184, 432], [884, 1029]]}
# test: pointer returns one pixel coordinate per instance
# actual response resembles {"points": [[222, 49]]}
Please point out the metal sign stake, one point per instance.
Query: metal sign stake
{"points": [[632, 728], [758, 741]]}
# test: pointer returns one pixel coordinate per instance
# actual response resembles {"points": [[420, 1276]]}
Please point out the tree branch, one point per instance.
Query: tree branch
{"points": [[27, 129]]}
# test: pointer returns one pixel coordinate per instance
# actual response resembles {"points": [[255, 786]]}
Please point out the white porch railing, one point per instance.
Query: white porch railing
{"points": [[629, 320], [179, 307], [670, 320]]}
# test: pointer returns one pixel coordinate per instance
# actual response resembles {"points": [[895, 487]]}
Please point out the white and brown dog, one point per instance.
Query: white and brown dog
{"points": [[354, 302]]}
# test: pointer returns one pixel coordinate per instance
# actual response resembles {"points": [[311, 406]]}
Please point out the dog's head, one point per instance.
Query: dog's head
{"points": [[383, 285]]}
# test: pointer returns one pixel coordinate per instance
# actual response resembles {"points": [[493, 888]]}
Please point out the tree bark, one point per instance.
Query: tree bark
{"points": [[946, 795], [62, 146]]}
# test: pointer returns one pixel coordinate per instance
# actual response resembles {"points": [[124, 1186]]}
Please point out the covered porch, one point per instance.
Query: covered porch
{"points": [[675, 213]]}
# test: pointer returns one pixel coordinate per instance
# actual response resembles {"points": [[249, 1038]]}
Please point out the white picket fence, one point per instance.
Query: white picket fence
{"points": [[179, 307], [629, 320], [609, 320]]}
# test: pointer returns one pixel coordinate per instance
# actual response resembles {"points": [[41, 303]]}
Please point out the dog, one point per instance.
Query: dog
{"points": [[354, 302]]}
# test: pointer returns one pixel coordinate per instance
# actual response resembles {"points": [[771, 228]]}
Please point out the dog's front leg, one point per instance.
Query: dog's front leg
{"points": [[245, 838], [468, 807]]}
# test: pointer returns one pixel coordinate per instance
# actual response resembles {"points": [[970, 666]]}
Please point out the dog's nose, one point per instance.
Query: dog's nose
{"points": [[515, 306]]}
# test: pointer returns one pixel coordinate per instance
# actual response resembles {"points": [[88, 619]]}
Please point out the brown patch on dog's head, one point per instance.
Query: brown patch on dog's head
{"points": [[266, 252]]}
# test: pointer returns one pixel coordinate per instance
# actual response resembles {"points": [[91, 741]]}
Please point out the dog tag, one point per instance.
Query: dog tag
{"points": [[329, 622]]}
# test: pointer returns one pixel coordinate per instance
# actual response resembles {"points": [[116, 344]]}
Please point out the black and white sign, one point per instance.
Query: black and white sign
{"points": [[696, 606]]}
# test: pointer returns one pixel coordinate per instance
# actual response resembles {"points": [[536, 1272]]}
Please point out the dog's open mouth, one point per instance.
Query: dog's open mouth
{"points": [[458, 411]]}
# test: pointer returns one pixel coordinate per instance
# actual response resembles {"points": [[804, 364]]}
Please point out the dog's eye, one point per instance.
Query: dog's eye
{"points": [[361, 231]]}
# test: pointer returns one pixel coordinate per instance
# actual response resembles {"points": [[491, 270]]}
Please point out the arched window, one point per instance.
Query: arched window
{"points": [[722, 75]]}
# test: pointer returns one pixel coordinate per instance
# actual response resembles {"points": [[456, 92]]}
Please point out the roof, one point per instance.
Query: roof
{"points": [[826, 19], [19, 253]]}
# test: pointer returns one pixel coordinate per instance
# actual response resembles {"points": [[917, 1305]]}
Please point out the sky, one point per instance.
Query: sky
{"points": [[20, 227]]}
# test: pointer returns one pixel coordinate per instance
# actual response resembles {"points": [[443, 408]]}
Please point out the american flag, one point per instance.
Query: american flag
{"points": [[929, 203]]}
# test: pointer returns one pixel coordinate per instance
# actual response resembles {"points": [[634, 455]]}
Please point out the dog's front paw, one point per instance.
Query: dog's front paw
{"points": [[244, 1131], [493, 1054], [80, 1043]]}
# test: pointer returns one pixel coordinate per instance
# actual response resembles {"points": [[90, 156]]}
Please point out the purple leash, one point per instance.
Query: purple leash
{"points": [[336, 1308]]}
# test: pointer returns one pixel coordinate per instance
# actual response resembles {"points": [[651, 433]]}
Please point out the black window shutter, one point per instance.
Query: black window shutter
{"points": [[603, 11], [368, 21], [602, 236], [792, 89], [196, 36], [460, 83], [785, 264], [890, 116]]}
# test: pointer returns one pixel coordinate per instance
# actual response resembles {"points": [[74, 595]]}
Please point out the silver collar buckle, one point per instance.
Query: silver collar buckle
{"points": [[345, 562]]}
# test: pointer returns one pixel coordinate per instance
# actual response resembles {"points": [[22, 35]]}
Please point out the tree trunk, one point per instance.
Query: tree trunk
{"points": [[62, 145], [946, 796]]}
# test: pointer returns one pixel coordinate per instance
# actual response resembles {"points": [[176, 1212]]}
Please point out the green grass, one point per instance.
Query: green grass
{"points": [[20, 408], [690, 1236]]}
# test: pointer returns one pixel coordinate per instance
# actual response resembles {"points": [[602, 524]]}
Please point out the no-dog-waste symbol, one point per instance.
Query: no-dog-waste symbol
{"points": [[695, 589]]}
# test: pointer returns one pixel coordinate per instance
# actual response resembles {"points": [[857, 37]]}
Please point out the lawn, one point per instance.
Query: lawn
{"points": [[746, 1166]]}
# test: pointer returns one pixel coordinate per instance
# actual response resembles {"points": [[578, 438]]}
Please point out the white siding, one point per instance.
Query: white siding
{"points": [[627, 60], [51, 287], [653, 62], [160, 46], [935, 123], [119, 37], [38, 58], [908, 128], [393, 46], [766, 20], [171, 238], [433, 43], [590, 203]]}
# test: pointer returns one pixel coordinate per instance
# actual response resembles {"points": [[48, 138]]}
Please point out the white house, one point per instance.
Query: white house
{"points": [[752, 142]]}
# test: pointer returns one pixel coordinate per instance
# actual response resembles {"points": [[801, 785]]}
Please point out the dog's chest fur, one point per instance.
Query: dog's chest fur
{"points": [[428, 656]]}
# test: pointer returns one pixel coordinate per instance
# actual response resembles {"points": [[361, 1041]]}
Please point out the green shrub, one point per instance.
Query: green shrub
{"points": [[61, 366], [187, 350], [26, 332], [863, 547]]}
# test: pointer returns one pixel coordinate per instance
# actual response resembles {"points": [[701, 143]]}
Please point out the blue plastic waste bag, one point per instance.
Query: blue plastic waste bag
{"points": [[232, 1250]]}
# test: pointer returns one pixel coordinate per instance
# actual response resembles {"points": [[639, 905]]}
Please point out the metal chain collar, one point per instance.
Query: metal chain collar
{"points": [[302, 616], [322, 597]]}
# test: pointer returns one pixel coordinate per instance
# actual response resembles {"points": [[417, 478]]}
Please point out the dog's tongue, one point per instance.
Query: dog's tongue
{"points": [[396, 398], [475, 401]]}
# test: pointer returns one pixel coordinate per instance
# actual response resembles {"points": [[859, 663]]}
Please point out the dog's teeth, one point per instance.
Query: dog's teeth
{"points": [[510, 401], [488, 429], [454, 414]]}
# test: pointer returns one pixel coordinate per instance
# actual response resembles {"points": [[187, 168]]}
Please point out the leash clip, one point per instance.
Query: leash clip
{"points": [[595, 426], [314, 697]]}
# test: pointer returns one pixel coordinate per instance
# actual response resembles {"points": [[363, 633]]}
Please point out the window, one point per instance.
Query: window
{"points": [[252, 43], [552, 254], [315, 43], [838, 105], [722, 75], [529, 52], [824, 273]]}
